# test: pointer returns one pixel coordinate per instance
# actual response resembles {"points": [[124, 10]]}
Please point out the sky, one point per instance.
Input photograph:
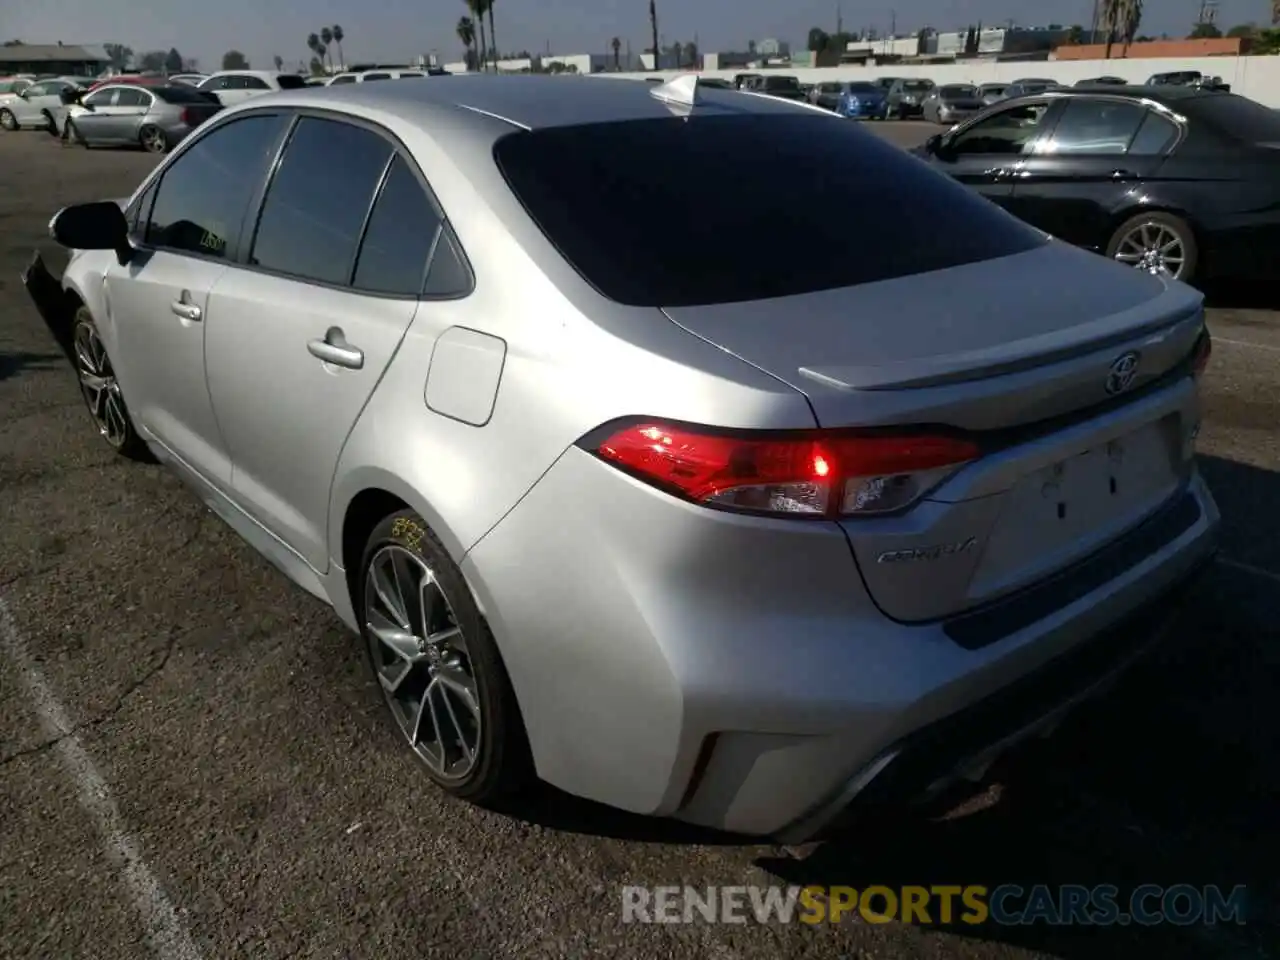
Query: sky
{"points": [[397, 30]]}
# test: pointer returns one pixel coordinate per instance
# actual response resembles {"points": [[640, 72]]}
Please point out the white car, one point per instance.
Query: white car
{"points": [[234, 86], [39, 105], [364, 76]]}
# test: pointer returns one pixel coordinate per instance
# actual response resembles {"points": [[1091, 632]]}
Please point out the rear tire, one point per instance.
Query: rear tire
{"points": [[153, 139], [445, 688], [8, 121], [1152, 241], [101, 390]]}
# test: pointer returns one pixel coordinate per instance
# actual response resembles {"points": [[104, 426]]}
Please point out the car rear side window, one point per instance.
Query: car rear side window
{"points": [[1092, 127], [1154, 137], [398, 240], [290, 81], [202, 198], [317, 202], [655, 212]]}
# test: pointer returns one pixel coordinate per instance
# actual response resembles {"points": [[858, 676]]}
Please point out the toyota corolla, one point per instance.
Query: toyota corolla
{"points": [[734, 541]]}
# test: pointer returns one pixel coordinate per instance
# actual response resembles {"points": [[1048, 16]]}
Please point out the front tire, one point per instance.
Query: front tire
{"points": [[1159, 243], [8, 121], [101, 390], [437, 667]]}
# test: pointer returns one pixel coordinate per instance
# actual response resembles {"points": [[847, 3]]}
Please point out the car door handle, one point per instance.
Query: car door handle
{"points": [[187, 311], [996, 172], [335, 349], [1123, 175]]}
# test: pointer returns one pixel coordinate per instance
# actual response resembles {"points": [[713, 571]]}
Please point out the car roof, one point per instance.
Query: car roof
{"points": [[248, 73], [530, 102], [1160, 94]]}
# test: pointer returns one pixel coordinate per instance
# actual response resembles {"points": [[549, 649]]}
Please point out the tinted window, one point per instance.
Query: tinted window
{"points": [[449, 276], [410, 73], [202, 199], [316, 205], [180, 95], [605, 195], [140, 211], [398, 240], [212, 83], [377, 76], [917, 85], [343, 79], [290, 81], [958, 92], [1095, 127], [1155, 136], [100, 98], [132, 97], [781, 83], [1008, 132], [1238, 117], [252, 83], [863, 88]]}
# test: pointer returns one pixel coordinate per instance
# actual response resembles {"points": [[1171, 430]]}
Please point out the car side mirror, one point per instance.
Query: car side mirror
{"points": [[93, 226], [936, 145]]}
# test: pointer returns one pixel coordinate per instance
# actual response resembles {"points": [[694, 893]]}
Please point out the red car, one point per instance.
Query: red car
{"points": [[142, 79]]}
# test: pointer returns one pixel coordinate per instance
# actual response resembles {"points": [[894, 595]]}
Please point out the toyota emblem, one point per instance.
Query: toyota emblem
{"points": [[1124, 370]]}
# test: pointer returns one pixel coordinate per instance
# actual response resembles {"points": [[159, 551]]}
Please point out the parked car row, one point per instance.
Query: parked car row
{"points": [[1178, 179]]}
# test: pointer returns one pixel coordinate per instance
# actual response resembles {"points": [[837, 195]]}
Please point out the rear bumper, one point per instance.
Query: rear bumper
{"points": [[731, 671]]}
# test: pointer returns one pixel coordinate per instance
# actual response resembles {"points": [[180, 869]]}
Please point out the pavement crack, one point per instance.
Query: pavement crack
{"points": [[110, 711]]}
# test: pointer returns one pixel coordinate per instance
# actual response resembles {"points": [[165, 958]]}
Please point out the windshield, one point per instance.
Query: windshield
{"points": [[828, 88], [603, 195], [958, 91], [781, 83], [865, 88], [1239, 118], [918, 85], [290, 81]]}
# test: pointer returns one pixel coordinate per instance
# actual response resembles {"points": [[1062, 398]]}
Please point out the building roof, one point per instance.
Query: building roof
{"points": [[52, 53]]}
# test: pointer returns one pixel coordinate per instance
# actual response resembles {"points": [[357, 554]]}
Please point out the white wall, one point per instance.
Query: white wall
{"points": [[1255, 77]]}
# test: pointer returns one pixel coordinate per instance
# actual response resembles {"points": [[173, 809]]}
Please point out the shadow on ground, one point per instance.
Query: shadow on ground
{"points": [[1241, 295], [13, 363], [1172, 778]]}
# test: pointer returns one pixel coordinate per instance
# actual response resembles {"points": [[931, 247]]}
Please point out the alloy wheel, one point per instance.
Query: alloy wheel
{"points": [[153, 140], [99, 386], [1154, 248], [422, 662]]}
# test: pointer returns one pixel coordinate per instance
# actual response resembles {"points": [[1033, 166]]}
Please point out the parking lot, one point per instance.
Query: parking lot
{"points": [[192, 758]]}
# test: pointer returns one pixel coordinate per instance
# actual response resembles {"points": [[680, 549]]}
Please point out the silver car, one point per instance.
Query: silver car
{"points": [[155, 118], [39, 105], [730, 540]]}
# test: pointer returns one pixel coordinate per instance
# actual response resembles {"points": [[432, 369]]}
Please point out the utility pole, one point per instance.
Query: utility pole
{"points": [[893, 24], [839, 20]]}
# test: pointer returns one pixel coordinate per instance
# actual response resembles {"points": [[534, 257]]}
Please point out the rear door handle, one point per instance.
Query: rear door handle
{"points": [[335, 349], [187, 311]]}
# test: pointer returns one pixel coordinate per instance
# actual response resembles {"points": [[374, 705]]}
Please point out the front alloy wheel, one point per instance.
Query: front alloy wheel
{"points": [[101, 390]]}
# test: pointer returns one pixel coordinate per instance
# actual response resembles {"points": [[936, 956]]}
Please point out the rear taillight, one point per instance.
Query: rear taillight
{"points": [[1200, 357], [189, 117], [809, 474]]}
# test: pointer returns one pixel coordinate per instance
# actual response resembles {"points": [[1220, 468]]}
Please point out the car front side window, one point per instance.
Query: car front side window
{"points": [[1009, 132], [203, 195]]}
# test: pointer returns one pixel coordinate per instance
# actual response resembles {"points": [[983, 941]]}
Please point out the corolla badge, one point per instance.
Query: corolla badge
{"points": [[935, 552], [1124, 370]]}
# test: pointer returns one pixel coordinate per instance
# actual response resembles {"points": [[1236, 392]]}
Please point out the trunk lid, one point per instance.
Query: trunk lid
{"points": [[1007, 349]]}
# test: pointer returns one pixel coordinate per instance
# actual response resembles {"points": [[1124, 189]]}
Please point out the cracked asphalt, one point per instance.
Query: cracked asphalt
{"points": [[193, 762]]}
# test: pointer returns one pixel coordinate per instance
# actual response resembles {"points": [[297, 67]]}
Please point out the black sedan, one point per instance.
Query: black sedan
{"points": [[1171, 180]]}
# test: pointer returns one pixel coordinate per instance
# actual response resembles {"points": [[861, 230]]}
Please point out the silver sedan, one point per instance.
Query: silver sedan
{"points": [[154, 118], [733, 540]]}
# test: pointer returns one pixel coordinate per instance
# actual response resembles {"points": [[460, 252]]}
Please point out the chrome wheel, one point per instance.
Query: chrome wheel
{"points": [[421, 659], [99, 386], [1155, 248]]}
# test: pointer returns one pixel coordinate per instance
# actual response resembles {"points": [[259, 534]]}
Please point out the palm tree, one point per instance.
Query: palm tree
{"points": [[493, 35], [467, 34], [326, 38], [477, 14], [1120, 18], [617, 45], [279, 62], [653, 24], [338, 35], [313, 42], [1129, 22]]}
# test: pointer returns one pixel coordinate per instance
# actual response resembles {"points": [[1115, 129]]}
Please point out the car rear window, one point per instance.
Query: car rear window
{"points": [[177, 94], [781, 83], [956, 90], [864, 88], [918, 85], [654, 212], [290, 81], [1238, 117]]}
